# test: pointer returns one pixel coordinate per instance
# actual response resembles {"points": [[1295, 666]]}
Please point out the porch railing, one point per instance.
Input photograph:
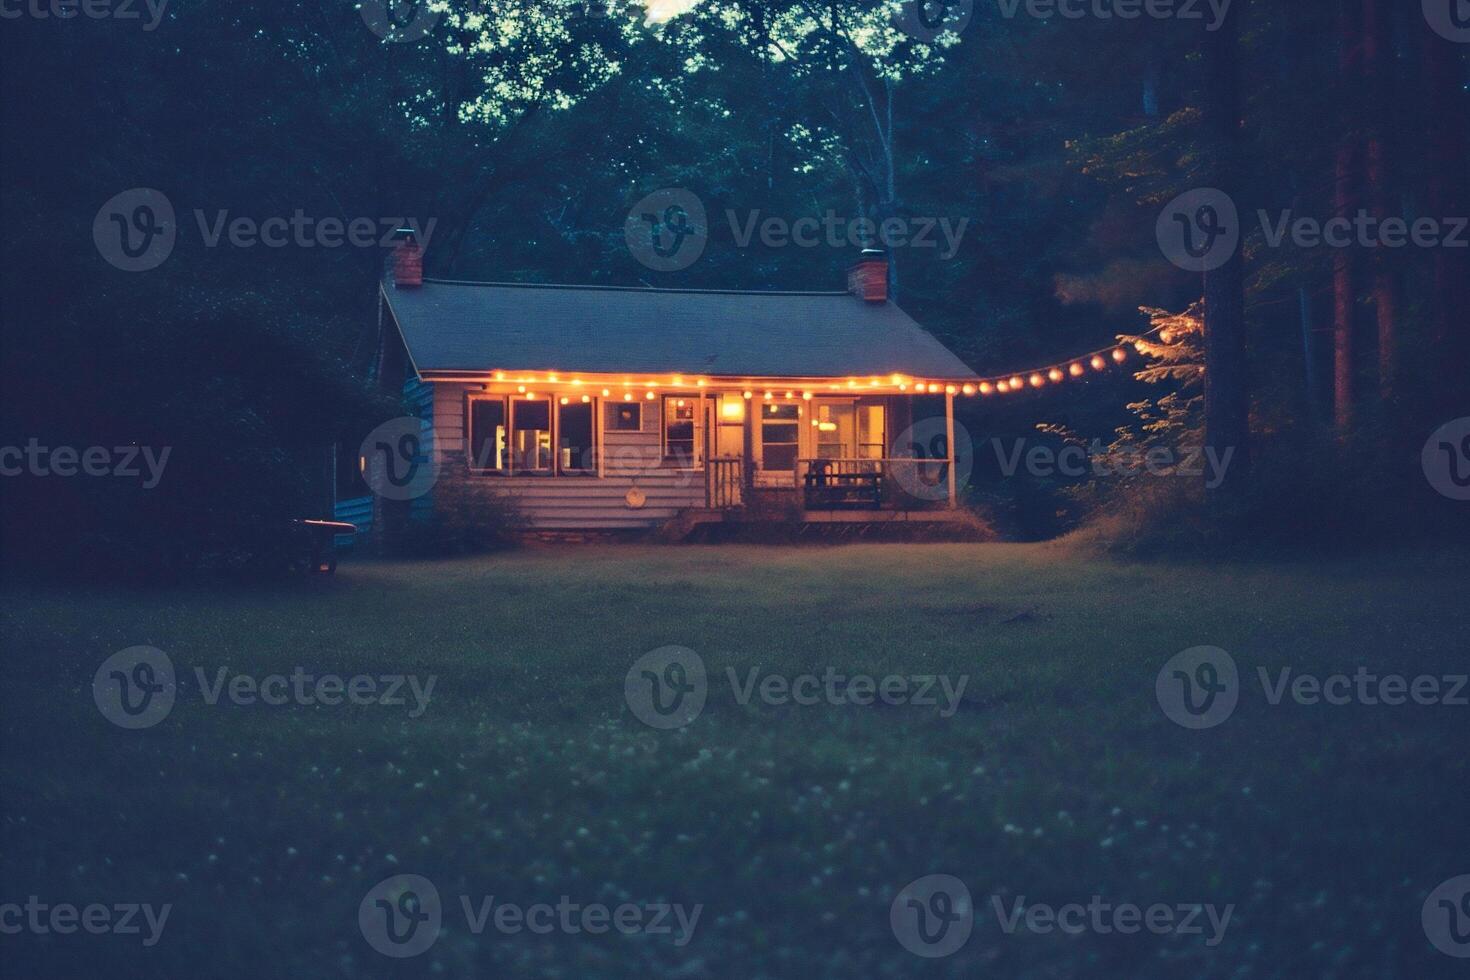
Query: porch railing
{"points": [[723, 482], [902, 484]]}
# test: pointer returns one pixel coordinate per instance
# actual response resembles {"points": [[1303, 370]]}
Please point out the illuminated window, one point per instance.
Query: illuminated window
{"points": [[780, 428], [679, 430]]}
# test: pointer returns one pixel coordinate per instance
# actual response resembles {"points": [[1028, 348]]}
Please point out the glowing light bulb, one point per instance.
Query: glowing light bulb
{"points": [[968, 389], [1055, 374], [1016, 383], [499, 375], [1120, 355], [565, 399], [986, 387], [747, 395], [1037, 381], [605, 392], [1075, 369], [806, 396], [1098, 363], [521, 389], [586, 399]]}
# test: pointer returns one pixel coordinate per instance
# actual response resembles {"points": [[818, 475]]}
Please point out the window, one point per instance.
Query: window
{"points": [[530, 435], [730, 428], [779, 430], [575, 453], [872, 432], [835, 429], [485, 442], [679, 430], [625, 416]]}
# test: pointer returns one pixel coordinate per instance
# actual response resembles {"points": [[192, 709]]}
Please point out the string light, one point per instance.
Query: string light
{"points": [[1055, 374], [950, 389], [1076, 369], [1120, 355], [986, 387], [1098, 363], [968, 389], [747, 395], [1037, 381], [520, 389]]}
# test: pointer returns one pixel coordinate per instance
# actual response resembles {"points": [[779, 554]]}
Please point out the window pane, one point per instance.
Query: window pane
{"points": [[487, 434], [574, 438], [625, 416], [531, 435], [679, 430]]}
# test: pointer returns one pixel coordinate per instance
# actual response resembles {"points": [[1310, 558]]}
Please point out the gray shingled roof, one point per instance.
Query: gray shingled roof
{"points": [[452, 326]]}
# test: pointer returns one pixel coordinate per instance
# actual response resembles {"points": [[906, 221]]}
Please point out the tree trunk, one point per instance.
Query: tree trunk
{"points": [[1227, 406], [1344, 285], [1385, 279], [1448, 172]]}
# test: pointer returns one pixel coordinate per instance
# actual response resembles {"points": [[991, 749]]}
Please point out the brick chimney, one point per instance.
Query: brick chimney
{"points": [[868, 277], [408, 260]]}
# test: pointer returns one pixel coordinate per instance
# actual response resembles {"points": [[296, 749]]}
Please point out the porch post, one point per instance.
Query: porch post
{"points": [[949, 447], [747, 465]]}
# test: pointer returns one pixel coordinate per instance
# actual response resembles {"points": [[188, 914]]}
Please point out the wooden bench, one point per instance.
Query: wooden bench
{"points": [[826, 489]]}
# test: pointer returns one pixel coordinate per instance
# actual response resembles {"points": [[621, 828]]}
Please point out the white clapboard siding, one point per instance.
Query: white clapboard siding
{"points": [[582, 502]]}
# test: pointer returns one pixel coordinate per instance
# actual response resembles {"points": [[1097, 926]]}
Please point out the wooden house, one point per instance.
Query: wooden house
{"points": [[605, 408]]}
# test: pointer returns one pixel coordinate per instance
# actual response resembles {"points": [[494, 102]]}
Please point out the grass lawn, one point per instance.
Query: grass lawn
{"points": [[528, 777]]}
